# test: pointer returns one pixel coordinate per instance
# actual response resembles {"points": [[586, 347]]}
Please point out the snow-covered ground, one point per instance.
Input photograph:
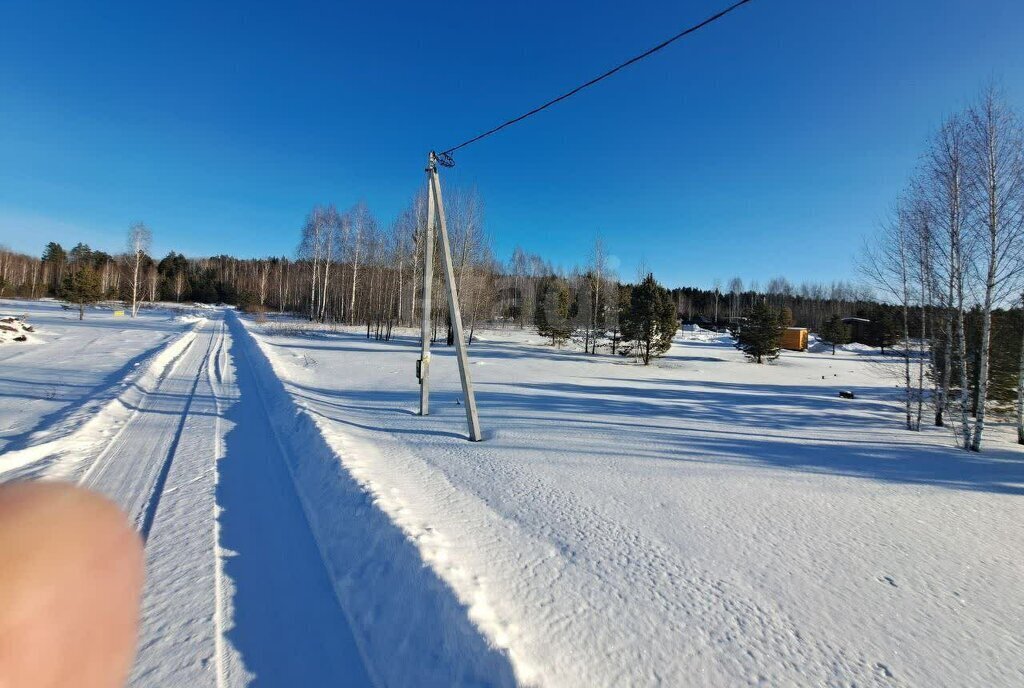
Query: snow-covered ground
{"points": [[236, 589], [702, 521], [68, 368]]}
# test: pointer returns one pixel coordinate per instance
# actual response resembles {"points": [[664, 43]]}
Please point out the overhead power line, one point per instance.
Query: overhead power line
{"points": [[445, 156]]}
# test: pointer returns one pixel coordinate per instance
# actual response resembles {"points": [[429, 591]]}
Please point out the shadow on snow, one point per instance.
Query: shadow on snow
{"points": [[298, 562]]}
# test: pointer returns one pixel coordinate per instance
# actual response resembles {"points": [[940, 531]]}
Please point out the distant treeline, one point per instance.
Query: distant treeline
{"points": [[349, 268]]}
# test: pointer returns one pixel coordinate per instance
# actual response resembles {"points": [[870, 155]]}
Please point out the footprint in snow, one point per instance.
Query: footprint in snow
{"points": [[883, 670]]}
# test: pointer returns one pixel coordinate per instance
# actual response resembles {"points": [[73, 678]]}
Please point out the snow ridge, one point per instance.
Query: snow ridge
{"points": [[398, 607], [46, 458]]}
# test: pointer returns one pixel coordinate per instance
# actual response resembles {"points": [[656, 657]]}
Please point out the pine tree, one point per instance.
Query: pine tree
{"points": [[618, 314], [650, 322], [884, 329], [81, 287], [551, 314], [787, 317], [55, 257], [834, 332], [760, 336]]}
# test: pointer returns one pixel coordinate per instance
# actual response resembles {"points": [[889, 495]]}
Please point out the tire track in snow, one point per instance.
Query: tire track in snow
{"points": [[179, 634], [149, 511], [46, 458], [132, 467], [217, 377], [211, 616], [62, 421], [161, 375]]}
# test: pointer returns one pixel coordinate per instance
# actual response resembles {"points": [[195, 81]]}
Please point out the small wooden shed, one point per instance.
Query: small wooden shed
{"points": [[795, 339]]}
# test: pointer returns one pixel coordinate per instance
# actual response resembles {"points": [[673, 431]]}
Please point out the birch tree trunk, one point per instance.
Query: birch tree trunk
{"points": [[997, 141], [1020, 379], [139, 238], [355, 275]]}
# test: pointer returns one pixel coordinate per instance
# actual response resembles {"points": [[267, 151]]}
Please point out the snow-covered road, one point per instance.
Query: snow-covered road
{"points": [[236, 590]]}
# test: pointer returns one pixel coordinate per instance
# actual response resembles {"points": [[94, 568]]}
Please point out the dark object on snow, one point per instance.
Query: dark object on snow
{"points": [[21, 338], [847, 395]]}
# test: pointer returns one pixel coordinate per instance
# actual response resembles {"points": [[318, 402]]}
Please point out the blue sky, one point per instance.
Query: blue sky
{"points": [[770, 143]]}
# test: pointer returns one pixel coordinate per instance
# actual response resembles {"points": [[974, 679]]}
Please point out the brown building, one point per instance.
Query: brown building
{"points": [[794, 339]]}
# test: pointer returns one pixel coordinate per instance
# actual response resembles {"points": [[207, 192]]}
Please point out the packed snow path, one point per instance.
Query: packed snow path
{"points": [[236, 592]]}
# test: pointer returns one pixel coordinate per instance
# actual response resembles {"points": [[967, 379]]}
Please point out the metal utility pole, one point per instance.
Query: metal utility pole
{"points": [[435, 213]]}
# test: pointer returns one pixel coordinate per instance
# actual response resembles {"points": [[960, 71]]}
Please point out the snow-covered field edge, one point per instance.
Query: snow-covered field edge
{"points": [[412, 628], [53, 454]]}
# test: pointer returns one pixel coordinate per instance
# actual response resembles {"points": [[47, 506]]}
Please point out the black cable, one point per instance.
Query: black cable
{"points": [[593, 81]]}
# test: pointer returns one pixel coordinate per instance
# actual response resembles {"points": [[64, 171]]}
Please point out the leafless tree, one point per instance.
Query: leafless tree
{"points": [[362, 223], [945, 177], [1020, 379], [887, 263], [997, 182], [139, 239]]}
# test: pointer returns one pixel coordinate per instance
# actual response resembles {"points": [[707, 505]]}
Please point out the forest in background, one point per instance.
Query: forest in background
{"points": [[943, 290]]}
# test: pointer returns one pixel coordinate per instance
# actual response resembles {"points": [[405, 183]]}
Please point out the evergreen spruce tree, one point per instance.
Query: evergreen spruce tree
{"points": [[761, 335], [834, 332], [619, 313], [551, 314], [650, 322], [81, 287], [55, 257], [884, 329], [787, 317]]}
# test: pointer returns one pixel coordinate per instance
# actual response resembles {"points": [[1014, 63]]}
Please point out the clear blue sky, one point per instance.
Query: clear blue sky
{"points": [[771, 143]]}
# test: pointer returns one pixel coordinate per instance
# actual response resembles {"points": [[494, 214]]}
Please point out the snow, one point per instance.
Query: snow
{"points": [[72, 369], [15, 330], [701, 521], [236, 588]]}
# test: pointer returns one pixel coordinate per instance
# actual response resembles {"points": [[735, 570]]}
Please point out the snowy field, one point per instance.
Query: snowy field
{"points": [[66, 369], [702, 521]]}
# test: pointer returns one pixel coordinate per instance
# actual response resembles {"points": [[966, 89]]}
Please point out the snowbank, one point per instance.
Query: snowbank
{"points": [[41, 456], [411, 628], [15, 330]]}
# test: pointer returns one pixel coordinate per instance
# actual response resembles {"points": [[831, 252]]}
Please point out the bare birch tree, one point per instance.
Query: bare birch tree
{"points": [[139, 239], [361, 224], [1020, 378], [997, 183], [945, 179], [887, 264]]}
